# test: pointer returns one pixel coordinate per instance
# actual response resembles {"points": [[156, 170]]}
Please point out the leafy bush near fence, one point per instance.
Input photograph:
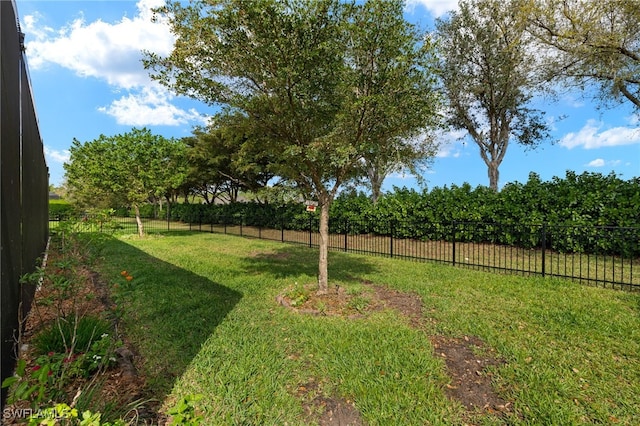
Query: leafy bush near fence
{"points": [[574, 211], [60, 208], [579, 213], [291, 216], [148, 211]]}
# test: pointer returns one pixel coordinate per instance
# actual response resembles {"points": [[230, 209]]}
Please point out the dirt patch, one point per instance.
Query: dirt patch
{"points": [[328, 411], [337, 412], [260, 254], [339, 302], [469, 361], [407, 304]]}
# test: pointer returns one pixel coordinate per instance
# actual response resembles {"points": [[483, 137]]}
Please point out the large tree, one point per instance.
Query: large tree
{"points": [[295, 69], [128, 169], [210, 158], [374, 52], [590, 42], [225, 158], [489, 77]]}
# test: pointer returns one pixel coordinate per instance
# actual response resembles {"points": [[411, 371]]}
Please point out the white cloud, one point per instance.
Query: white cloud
{"points": [[150, 106], [599, 162], [55, 156], [436, 7], [591, 136], [108, 51], [35, 28], [112, 53], [451, 143], [449, 149], [571, 100], [400, 175]]}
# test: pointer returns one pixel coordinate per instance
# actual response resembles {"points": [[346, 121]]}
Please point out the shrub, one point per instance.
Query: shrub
{"points": [[60, 209]]}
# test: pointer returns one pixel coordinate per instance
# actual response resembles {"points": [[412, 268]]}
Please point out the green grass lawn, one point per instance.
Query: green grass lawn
{"points": [[201, 310]]}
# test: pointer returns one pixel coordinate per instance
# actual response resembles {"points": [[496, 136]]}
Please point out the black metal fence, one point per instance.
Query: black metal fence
{"points": [[24, 182], [595, 255]]}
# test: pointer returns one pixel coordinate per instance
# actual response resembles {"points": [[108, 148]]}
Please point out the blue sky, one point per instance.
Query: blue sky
{"points": [[87, 79]]}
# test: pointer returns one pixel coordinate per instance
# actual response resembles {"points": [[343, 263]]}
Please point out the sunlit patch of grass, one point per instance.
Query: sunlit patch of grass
{"points": [[203, 314]]}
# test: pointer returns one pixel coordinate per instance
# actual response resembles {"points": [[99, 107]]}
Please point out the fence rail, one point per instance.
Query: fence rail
{"points": [[602, 256]]}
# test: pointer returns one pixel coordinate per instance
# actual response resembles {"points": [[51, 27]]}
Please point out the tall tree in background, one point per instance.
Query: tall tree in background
{"points": [[590, 43], [412, 155], [375, 54], [210, 163], [225, 159], [489, 77], [294, 69], [127, 169]]}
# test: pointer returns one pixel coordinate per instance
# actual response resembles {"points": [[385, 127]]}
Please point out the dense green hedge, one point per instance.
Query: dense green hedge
{"points": [[149, 211], [574, 211], [580, 213], [291, 216], [60, 208], [587, 199]]}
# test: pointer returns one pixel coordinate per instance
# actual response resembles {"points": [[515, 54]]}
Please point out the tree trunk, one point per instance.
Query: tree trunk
{"points": [[136, 209], [375, 180], [376, 190], [323, 274], [492, 168]]}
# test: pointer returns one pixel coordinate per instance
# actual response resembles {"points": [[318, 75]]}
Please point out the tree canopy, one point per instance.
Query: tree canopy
{"points": [[124, 170], [325, 83], [590, 43], [489, 77], [225, 159]]}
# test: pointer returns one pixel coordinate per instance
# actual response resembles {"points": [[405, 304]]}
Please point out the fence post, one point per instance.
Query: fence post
{"points": [[544, 246], [282, 229], [310, 228], [168, 216], [391, 228], [346, 233], [453, 237]]}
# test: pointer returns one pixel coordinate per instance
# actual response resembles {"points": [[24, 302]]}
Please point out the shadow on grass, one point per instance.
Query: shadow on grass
{"points": [[167, 312], [291, 260]]}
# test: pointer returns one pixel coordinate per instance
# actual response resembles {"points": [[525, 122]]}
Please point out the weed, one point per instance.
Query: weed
{"points": [[321, 307], [52, 416], [298, 295], [359, 304], [184, 411]]}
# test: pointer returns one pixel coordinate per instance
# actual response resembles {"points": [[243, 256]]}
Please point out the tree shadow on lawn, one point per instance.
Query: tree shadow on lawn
{"points": [[168, 313], [290, 260]]}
